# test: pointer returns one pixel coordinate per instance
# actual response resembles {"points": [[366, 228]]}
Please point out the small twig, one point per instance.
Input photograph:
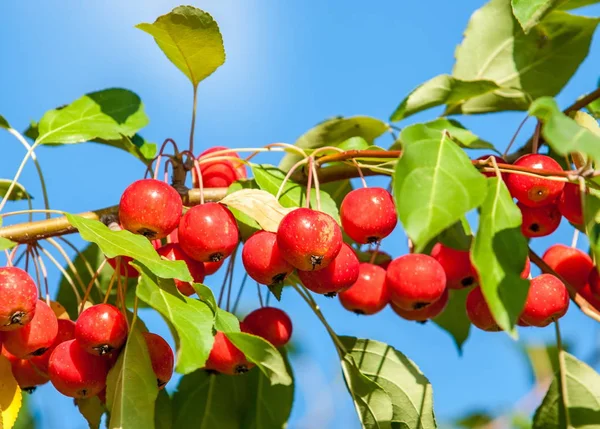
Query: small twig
{"points": [[514, 137], [260, 298]]}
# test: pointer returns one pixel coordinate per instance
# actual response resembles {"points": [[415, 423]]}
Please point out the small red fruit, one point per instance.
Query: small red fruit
{"points": [[151, 208], [125, 269], [309, 239], [34, 338], [535, 191], [212, 267], [539, 221], [208, 232], [457, 266], [415, 281], [220, 173], [593, 283], [368, 214], [569, 204], [547, 301], [498, 161], [100, 329], [18, 297], [270, 323], [479, 312], [423, 314], [161, 356], [27, 375], [337, 276], [262, 259], [76, 373], [173, 252], [570, 263], [226, 358], [369, 294], [66, 332]]}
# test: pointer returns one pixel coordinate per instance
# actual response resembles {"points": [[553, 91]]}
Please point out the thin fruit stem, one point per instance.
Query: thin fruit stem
{"points": [[64, 272], [17, 175], [514, 137], [8, 260], [239, 295], [309, 182], [288, 175], [536, 137], [228, 273], [44, 273], [68, 261], [562, 375], [113, 279], [277, 147], [260, 298], [81, 256], [37, 269], [193, 126], [230, 285], [360, 174], [88, 290], [317, 190], [375, 252], [575, 238]]}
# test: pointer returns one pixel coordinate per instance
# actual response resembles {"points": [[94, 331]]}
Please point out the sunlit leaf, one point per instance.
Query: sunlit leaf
{"points": [[435, 129], [259, 205], [18, 192], [10, 395]]}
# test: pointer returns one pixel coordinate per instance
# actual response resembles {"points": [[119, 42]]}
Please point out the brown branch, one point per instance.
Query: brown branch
{"points": [[357, 154]]}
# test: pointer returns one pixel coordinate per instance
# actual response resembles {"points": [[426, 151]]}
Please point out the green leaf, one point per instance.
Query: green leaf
{"points": [[191, 39], [582, 402], [131, 388], [562, 133], [109, 114], [499, 253], [5, 243], [530, 12], [270, 178], [18, 192], [575, 4], [163, 411], [410, 391], [224, 321], [474, 420], [193, 320], [264, 355], [442, 89], [4, 123], [333, 132], [454, 318], [543, 360], [535, 64], [435, 129], [259, 205], [91, 409], [125, 243], [354, 143], [246, 224], [276, 289], [458, 236], [435, 184]]}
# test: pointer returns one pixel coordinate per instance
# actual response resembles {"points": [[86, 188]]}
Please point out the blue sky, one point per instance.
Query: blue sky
{"points": [[289, 65]]}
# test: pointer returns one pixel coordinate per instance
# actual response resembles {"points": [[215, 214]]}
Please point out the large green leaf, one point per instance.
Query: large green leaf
{"points": [[435, 184], [109, 114], [454, 318], [410, 391], [91, 409], [538, 63], [562, 133], [582, 400], [131, 388], [442, 89], [270, 178], [435, 129], [191, 39], [18, 192], [124, 243], [193, 320], [530, 12], [334, 131], [499, 253], [163, 411]]}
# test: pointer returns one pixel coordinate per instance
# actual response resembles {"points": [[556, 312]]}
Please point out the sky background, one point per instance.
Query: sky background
{"points": [[289, 65]]}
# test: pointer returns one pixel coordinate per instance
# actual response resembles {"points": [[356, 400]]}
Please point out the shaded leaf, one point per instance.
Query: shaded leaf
{"points": [[91, 409], [591, 215], [191, 39], [454, 318], [18, 192], [435, 184], [163, 411], [259, 205], [458, 236], [575, 4], [530, 12], [4, 123], [499, 253], [10, 395], [276, 289], [435, 129]]}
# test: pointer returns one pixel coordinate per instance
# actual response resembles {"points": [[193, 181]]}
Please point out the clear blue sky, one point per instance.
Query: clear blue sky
{"points": [[289, 65]]}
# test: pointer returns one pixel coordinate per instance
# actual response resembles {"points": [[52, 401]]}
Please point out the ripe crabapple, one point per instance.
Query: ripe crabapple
{"points": [[337, 276], [208, 232], [594, 282], [479, 312], [18, 298], [423, 314], [569, 204], [415, 281], [220, 173], [457, 266], [263, 260], [27, 375], [270, 323], [368, 214], [498, 161], [309, 239], [212, 267], [151, 208], [593, 298], [539, 221], [570, 263], [34, 338], [66, 332], [101, 329], [226, 358], [161, 356], [535, 191], [547, 301], [173, 252], [369, 294], [76, 373]]}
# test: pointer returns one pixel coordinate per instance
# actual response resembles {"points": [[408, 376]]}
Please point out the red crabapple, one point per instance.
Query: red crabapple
{"points": [[161, 356], [226, 358], [535, 191], [262, 259], [212, 267], [100, 329], [34, 338], [570, 263], [457, 266], [539, 221], [547, 301], [423, 314], [369, 294], [270, 323], [173, 252], [27, 375], [66, 332], [479, 312], [220, 173], [18, 297], [569, 204], [339, 275], [368, 214]]}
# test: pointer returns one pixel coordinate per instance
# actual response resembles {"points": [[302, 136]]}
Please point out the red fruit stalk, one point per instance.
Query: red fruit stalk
{"points": [[369, 294], [18, 298]]}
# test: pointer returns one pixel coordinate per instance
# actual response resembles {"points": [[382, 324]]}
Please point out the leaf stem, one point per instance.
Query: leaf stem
{"points": [[562, 369], [193, 126]]}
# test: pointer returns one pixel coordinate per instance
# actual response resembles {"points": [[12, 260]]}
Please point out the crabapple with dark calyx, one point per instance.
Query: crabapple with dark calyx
{"points": [[263, 260], [34, 338], [18, 298], [226, 358], [161, 357], [423, 314], [457, 266], [368, 214], [337, 276], [101, 329], [539, 221], [369, 294]]}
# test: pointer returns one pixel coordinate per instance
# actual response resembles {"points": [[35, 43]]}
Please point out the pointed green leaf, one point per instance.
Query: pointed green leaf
{"points": [[224, 321], [454, 318], [582, 401], [575, 4], [435, 184], [192, 319], [108, 114], [91, 409], [5, 243], [354, 143], [4, 123], [124, 243], [18, 192], [530, 12], [538, 63], [163, 411], [435, 129], [442, 89], [131, 388], [458, 236], [499, 253], [333, 132], [409, 390], [191, 39]]}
